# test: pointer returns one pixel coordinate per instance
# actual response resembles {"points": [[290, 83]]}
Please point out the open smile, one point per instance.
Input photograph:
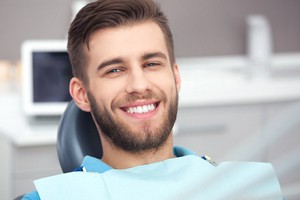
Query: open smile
{"points": [[141, 109]]}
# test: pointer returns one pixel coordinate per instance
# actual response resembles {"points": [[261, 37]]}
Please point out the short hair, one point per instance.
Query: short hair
{"points": [[103, 14]]}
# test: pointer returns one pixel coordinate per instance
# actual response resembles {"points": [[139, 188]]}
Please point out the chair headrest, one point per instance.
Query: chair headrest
{"points": [[77, 137]]}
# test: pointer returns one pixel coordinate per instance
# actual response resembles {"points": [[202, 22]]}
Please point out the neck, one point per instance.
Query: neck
{"points": [[120, 159]]}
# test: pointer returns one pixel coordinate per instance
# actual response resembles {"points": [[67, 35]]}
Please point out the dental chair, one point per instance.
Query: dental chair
{"points": [[77, 137]]}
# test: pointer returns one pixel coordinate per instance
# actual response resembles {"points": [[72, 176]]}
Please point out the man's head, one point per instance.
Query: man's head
{"points": [[108, 14], [125, 72]]}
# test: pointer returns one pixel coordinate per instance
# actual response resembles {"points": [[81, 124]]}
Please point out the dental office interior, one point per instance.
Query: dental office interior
{"points": [[240, 96]]}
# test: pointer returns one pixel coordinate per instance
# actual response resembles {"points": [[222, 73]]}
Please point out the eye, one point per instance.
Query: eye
{"points": [[151, 64], [114, 72]]}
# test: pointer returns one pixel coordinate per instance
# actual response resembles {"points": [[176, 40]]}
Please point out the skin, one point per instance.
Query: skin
{"points": [[129, 61]]}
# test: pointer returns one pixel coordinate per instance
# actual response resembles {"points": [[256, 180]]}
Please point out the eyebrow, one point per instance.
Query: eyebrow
{"points": [[110, 62], [148, 56]]}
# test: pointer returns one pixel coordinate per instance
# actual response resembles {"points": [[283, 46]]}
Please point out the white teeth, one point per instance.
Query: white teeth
{"points": [[141, 109], [145, 109]]}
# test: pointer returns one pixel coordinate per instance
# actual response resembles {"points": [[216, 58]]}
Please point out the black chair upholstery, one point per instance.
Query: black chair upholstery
{"points": [[77, 137], [19, 197]]}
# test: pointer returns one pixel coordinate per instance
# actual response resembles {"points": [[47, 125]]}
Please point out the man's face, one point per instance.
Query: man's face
{"points": [[133, 91]]}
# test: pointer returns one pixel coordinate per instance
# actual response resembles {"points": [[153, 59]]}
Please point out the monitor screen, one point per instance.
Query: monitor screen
{"points": [[51, 75], [46, 75]]}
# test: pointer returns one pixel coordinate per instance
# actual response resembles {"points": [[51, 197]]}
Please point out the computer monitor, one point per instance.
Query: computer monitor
{"points": [[46, 72]]}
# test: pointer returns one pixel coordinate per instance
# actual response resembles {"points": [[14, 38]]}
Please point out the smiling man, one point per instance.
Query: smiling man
{"points": [[125, 74], [132, 92]]}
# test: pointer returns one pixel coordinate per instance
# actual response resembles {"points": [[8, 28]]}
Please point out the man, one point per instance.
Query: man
{"points": [[125, 74]]}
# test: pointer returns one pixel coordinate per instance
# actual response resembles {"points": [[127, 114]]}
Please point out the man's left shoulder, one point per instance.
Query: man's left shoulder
{"points": [[31, 196]]}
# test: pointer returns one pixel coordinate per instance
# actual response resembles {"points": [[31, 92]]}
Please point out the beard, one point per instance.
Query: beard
{"points": [[123, 137]]}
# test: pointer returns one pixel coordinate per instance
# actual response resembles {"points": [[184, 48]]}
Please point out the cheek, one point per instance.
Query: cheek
{"points": [[108, 94], [166, 84]]}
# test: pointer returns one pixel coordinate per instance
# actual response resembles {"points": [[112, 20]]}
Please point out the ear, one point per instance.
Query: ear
{"points": [[177, 77], [79, 94]]}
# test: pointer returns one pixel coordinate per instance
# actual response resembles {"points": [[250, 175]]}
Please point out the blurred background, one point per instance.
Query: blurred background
{"points": [[240, 97], [200, 28]]}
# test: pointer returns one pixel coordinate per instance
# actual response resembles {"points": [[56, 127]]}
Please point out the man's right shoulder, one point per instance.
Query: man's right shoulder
{"points": [[32, 196]]}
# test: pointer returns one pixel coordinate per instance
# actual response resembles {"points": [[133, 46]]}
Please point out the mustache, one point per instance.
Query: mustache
{"points": [[131, 98]]}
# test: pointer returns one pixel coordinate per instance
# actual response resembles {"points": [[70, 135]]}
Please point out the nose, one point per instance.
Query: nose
{"points": [[137, 82]]}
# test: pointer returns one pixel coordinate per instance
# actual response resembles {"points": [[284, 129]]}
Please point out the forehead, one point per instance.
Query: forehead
{"points": [[129, 40]]}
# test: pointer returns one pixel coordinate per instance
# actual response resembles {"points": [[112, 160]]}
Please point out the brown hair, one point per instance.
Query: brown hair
{"points": [[103, 14]]}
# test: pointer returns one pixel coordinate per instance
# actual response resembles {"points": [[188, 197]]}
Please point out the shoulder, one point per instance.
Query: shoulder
{"points": [[31, 196]]}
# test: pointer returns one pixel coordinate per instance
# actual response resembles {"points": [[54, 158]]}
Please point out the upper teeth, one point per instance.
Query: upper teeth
{"points": [[141, 109]]}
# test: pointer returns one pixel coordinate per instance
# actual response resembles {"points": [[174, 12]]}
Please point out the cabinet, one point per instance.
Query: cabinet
{"points": [[20, 165], [31, 163], [220, 132]]}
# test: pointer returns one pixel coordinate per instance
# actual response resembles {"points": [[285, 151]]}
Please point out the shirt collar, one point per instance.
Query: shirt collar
{"points": [[92, 164]]}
